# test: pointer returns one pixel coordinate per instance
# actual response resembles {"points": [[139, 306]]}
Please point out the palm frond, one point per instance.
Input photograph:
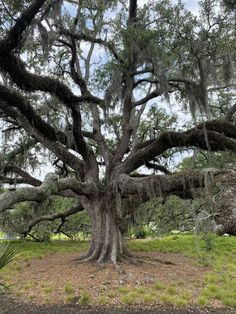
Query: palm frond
{"points": [[7, 254]]}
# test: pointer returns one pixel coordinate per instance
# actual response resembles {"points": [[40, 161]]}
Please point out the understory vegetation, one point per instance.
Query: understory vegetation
{"points": [[218, 285]]}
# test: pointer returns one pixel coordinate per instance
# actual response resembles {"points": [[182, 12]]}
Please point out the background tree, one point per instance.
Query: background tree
{"points": [[79, 78]]}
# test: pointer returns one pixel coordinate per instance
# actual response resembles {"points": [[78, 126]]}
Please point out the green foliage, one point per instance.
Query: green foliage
{"points": [[219, 160], [7, 254], [16, 221], [30, 249], [140, 234], [155, 218], [156, 121]]}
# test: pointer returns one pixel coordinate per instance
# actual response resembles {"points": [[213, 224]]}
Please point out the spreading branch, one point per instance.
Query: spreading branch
{"points": [[63, 215], [25, 177], [51, 186], [14, 36], [213, 135], [186, 185], [15, 100], [94, 40], [57, 148]]}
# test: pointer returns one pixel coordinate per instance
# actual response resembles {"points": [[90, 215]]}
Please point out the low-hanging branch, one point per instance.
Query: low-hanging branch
{"points": [[51, 186], [63, 215]]}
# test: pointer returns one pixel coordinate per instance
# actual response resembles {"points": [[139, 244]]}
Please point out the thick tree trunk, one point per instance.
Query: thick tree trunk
{"points": [[225, 203], [107, 243]]}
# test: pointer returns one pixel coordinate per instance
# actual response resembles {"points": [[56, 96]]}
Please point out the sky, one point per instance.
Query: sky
{"points": [[191, 5]]}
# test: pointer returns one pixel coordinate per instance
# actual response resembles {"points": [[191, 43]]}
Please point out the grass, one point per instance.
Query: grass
{"points": [[128, 299], [219, 283], [47, 287], [102, 300], [149, 298], [48, 290], [123, 289], [68, 288], [85, 298], [158, 286], [70, 297], [30, 249]]}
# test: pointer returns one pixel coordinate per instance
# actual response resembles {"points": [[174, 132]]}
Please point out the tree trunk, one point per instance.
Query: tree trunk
{"points": [[107, 242]]}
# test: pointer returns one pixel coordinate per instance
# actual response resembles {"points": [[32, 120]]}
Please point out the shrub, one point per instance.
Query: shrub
{"points": [[141, 234]]}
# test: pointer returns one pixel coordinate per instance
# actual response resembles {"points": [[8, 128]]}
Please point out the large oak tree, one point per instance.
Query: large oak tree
{"points": [[79, 77]]}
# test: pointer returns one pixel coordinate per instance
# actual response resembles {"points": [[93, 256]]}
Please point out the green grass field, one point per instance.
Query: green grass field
{"points": [[216, 253]]}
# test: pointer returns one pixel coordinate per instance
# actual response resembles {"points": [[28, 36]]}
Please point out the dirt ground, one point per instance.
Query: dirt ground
{"points": [[43, 281], [9, 306], [56, 284]]}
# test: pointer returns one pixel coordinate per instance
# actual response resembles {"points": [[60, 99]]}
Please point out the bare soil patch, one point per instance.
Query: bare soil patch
{"points": [[58, 278]]}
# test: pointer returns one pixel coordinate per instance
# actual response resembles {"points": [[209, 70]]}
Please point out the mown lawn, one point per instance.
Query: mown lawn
{"points": [[218, 254]]}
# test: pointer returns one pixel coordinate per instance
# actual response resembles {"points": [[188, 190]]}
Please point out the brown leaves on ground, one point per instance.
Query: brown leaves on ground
{"points": [[58, 278]]}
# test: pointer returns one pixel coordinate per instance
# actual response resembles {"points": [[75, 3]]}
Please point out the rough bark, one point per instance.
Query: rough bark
{"points": [[50, 186], [225, 205], [107, 242]]}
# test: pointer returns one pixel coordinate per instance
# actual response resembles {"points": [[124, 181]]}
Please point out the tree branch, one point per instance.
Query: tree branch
{"points": [[15, 100], [84, 37], [56, 147], [150, 96], [14, 36], [161, 168], [213, 135], [32, 82], [186, 185], [71, 211], [123, 144], [230, 113], [26, 177], [51, 186]]}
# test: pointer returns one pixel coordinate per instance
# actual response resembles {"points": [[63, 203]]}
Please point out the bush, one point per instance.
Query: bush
{"points": [[141, 234]]}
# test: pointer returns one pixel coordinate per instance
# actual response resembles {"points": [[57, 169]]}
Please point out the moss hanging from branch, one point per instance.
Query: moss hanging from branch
{"points": [[197, 96]]}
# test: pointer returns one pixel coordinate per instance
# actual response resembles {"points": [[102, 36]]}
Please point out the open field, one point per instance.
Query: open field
{"points": [[178, 270]]}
